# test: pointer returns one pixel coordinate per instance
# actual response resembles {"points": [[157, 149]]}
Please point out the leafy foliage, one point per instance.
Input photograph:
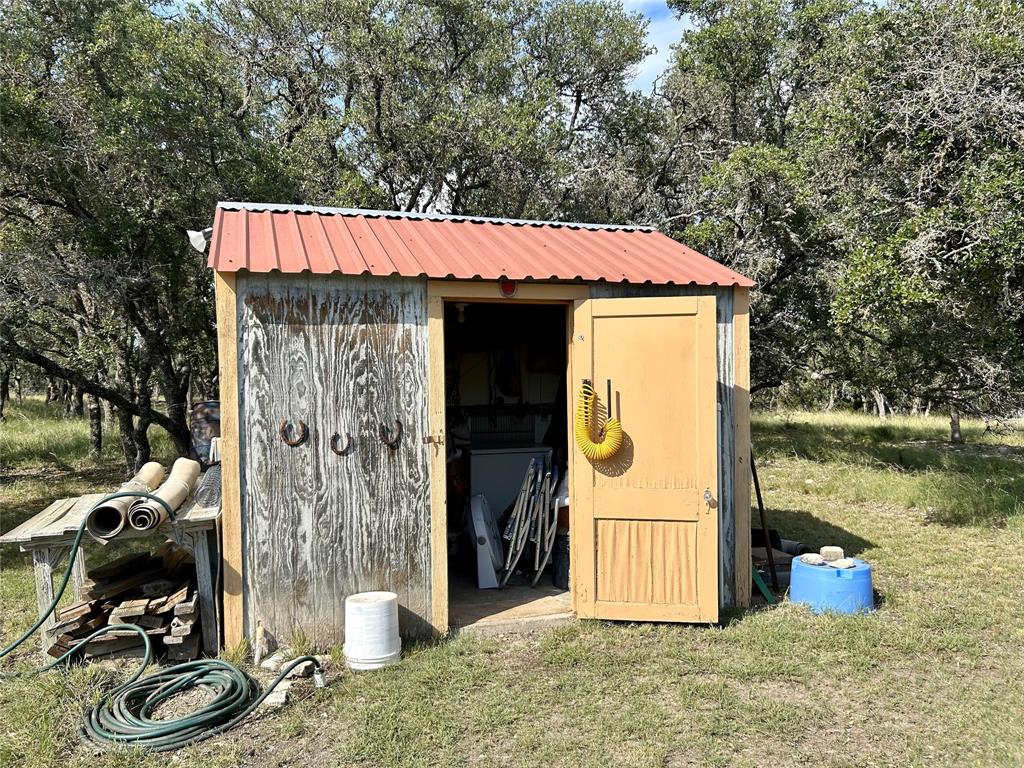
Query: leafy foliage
{"points": [[863, 162]]}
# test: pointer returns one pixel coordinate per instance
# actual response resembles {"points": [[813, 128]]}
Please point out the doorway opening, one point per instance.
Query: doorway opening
{"points": [[507, 451]]}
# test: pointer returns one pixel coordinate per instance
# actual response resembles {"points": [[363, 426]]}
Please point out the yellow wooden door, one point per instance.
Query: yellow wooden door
{"points": [[645, 526]]}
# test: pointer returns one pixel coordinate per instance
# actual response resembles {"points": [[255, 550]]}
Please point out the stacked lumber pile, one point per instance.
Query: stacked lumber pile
{"points": [[154, 590]]}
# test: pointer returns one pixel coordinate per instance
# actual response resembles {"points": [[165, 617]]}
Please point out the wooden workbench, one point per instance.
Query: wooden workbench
{"points": [[50, 534]]}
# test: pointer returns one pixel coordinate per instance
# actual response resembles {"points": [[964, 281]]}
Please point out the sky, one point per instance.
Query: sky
{"points": [[663, 30]]}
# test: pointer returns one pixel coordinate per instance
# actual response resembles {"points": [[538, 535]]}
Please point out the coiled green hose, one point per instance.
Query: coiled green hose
{"points": [[123, 715]]}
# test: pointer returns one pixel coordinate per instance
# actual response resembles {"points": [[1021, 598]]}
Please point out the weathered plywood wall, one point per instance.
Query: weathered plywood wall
{"points": [[344, 355], [727, 587]]}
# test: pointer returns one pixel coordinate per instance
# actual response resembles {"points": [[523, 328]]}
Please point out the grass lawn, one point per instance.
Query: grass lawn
{"points": [[935, 677]]}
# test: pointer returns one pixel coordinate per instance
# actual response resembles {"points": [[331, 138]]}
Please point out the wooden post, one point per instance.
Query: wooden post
{"points": [[231, 500], [438, 469], [198, 542], [44, 561], [741, 431]]}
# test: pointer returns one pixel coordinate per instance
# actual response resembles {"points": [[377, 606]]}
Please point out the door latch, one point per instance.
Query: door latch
{"points": [[709, 499], [434, 439]]}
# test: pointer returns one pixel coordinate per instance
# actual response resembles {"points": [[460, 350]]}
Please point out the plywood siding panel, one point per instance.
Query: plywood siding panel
{"points": [[727, 584], [338, 315], [344, 355]]}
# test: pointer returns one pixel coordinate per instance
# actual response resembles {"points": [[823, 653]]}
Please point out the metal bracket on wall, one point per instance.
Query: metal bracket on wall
{"points": [[385, 435], [336, 438], [285, 428]]}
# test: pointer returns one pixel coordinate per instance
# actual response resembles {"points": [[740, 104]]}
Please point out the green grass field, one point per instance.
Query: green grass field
{"points": [[935, 677]]}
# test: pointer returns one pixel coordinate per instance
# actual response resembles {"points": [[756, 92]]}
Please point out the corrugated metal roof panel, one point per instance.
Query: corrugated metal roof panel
{"points": [[265, 238]]}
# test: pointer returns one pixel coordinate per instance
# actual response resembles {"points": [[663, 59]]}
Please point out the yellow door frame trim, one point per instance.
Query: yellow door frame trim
{"points": [[473, 292]]}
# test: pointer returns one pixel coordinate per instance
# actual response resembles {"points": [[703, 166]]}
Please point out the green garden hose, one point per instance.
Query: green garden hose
{"points": [[123, 715]]}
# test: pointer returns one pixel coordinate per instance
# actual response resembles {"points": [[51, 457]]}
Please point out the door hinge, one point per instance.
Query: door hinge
{"points": [[434, 439]]}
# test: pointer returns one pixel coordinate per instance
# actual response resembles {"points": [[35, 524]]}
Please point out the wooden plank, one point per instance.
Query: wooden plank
{"points": [[131, 608], [189, 649], [145, 620], [726, 452], [259, 460], [709, 584], [108, 643], [181, 627], [231, 503], [341, 486], [306, 399], [438, 468], [44, 561], [570, 411], [583, 557], [27, 529], [489, 290], [109, 589], [174, 599], [741, 429], [397, 536]]}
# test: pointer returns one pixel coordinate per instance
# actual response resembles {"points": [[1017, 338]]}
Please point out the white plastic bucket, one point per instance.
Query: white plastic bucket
{"points": [[371, 630]]}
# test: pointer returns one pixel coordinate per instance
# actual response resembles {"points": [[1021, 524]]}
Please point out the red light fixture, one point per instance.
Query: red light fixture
{"points": [[507, 287]]}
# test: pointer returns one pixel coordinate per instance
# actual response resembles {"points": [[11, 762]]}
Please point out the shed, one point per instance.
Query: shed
{"points": [[475, 334]]}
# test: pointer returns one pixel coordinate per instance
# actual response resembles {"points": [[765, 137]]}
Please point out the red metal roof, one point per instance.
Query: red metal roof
{"points": [[264, 238]]}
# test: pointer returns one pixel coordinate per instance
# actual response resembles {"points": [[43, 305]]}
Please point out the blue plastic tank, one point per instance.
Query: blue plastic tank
{"points": [[839, 590]]}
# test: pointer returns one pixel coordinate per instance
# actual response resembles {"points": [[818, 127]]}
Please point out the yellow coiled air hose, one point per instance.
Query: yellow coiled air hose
{"points": [[608, 440]]}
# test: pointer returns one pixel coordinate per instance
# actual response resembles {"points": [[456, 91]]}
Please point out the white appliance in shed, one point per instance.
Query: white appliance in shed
{"points": [[498, 473]]}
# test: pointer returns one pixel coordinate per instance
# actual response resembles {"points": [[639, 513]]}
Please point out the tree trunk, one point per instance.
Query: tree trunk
{"points": [[143, 450], [879, 403], [831, 404], [176, 395], [65, 400], [955, 435], [95, 427], [78, 403], [126, 429], [5, 391]]}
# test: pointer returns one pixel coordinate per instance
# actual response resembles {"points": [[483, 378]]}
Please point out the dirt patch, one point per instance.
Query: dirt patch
{"points": [[184, 704]]}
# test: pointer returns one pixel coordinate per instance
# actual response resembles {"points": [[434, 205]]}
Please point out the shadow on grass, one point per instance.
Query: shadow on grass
{"points": [[802, 526], [905, 464], [816, 533]]}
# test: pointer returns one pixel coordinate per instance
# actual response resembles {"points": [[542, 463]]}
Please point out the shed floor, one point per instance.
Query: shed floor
{"points": [[514, 609]]}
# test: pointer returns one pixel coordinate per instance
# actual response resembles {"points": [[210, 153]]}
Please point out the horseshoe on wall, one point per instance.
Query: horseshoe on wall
{"points": [[385, 435], [336, 438], [284, 429]]}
